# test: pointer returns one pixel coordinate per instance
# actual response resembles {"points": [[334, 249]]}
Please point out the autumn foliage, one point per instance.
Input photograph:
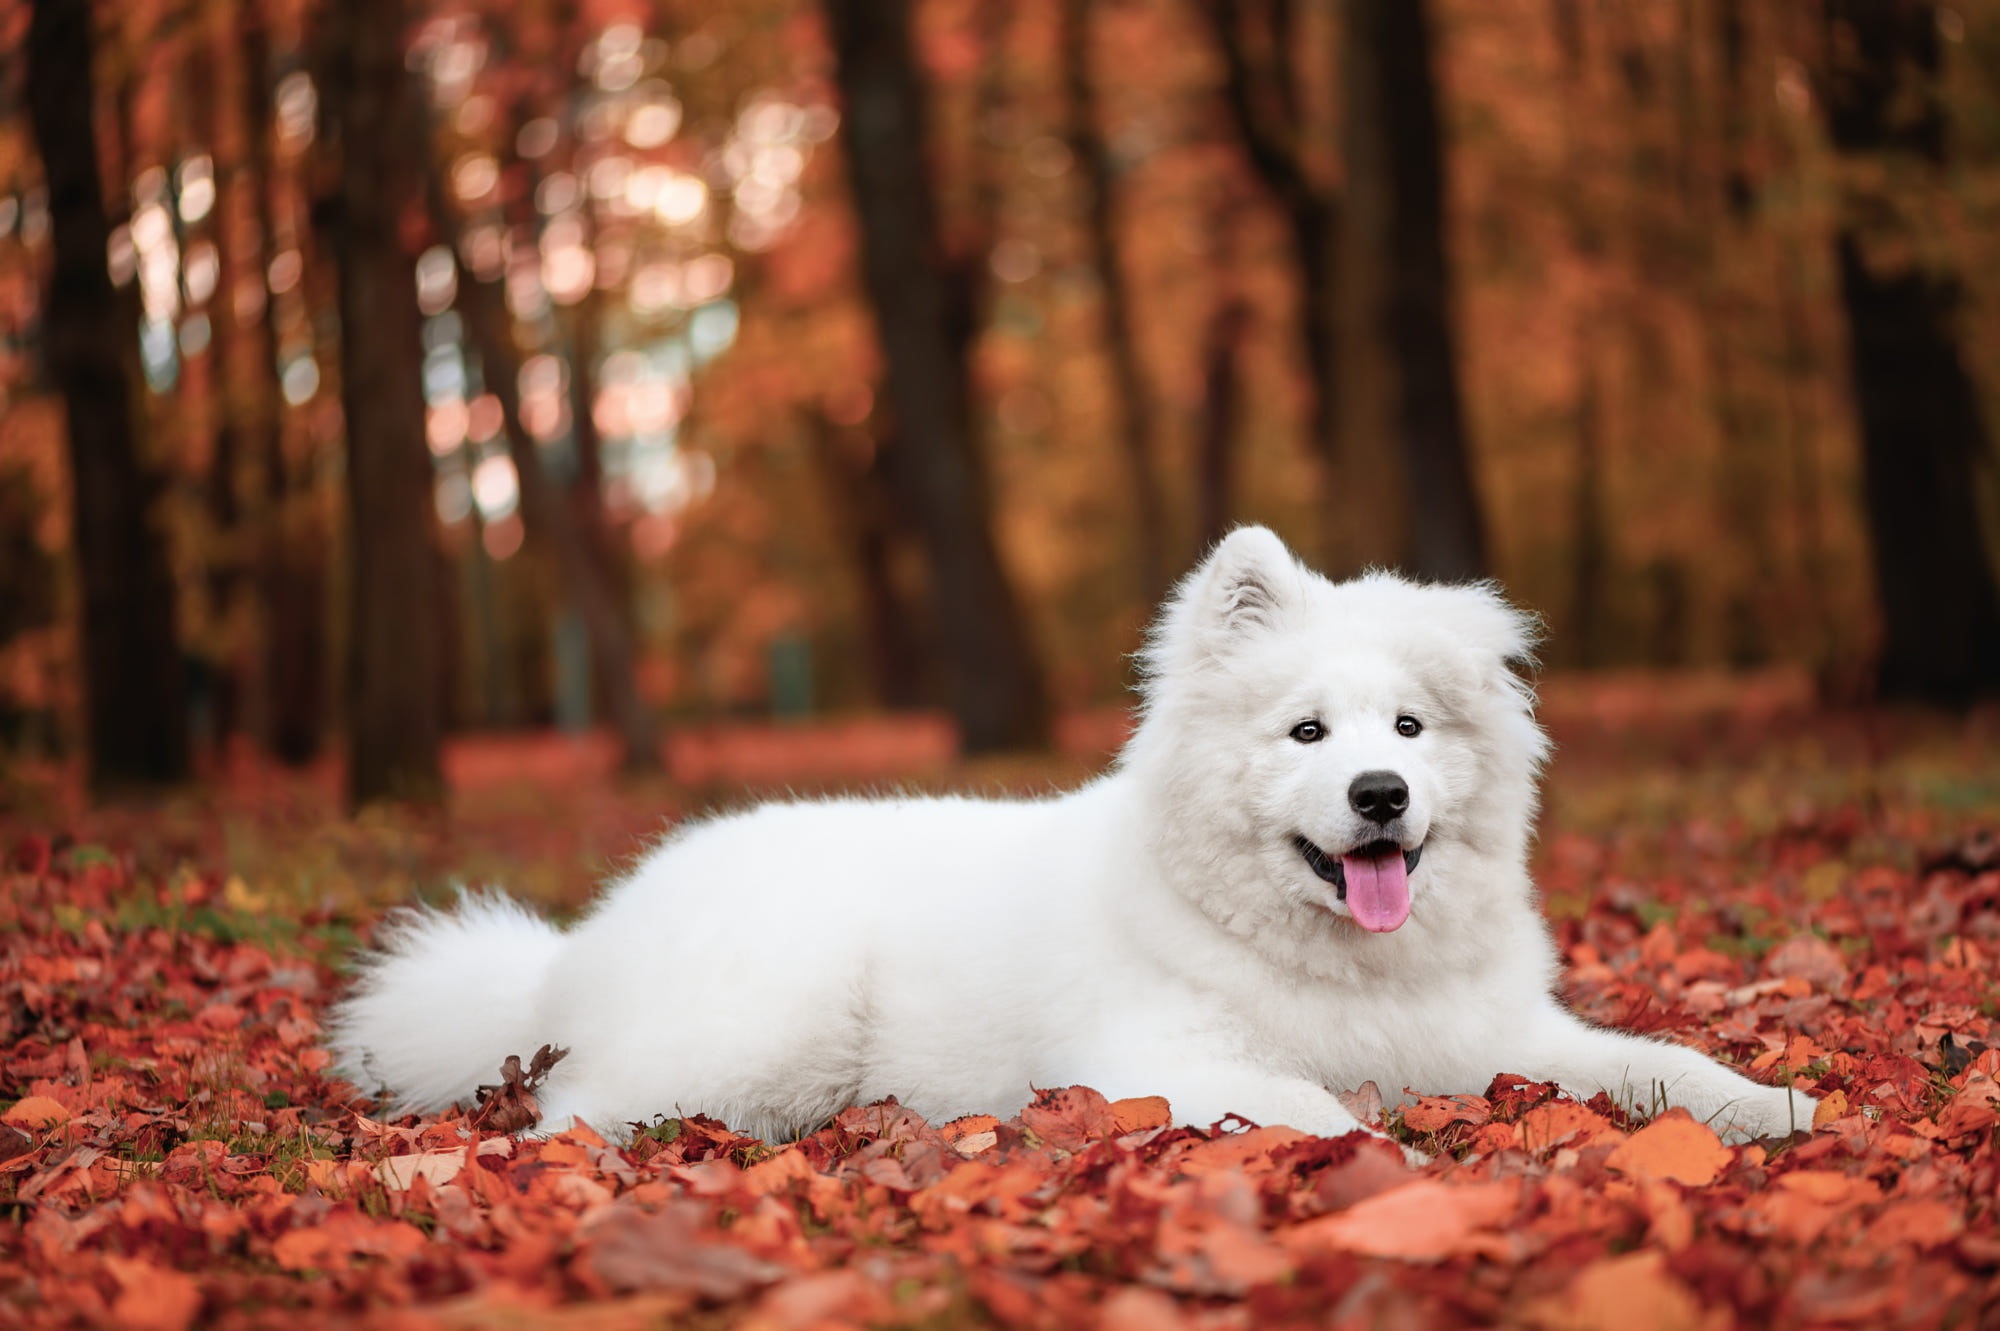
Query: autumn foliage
{"points": [[174, 1155]]}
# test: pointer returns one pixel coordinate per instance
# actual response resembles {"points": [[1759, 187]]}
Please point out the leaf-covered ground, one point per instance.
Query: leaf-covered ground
{"points": [[1812, 897]]}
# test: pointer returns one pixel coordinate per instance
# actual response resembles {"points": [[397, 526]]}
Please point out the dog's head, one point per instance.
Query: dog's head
{"points": [[1334, 746]]}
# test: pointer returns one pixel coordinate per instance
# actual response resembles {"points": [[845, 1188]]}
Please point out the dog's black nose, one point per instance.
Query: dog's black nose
{"points": [[1379, 796]]}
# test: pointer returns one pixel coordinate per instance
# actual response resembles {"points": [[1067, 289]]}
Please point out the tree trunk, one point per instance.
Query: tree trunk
{"points": [[997, 692], [1399, 366], [394, 719], [1921, 433], [1229, 321], [291, 550], [851, 459], [131, 661], [1312, 211], [546, 518], [1135, 400]]}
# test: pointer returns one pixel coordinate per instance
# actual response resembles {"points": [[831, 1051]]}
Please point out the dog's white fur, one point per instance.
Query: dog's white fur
{"points": [[1156, 932]]}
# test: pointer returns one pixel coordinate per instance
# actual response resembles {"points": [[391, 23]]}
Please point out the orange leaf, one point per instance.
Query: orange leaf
{"points": [[1435, 1113], [1832, 1107], [1673, 1146], [152, 1298], [1424, 1220], [1631, 1293], [969, 1126], [1139, 1112], [37, 1111], [1924, 1223], [1563, 1123]]}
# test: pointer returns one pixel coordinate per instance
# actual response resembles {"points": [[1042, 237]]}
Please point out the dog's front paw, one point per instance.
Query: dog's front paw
{"points": [[1775, 1112]]}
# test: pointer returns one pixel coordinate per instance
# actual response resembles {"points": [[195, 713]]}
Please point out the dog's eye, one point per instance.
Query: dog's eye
{"points": [[1409, 727], [1308, 732]]}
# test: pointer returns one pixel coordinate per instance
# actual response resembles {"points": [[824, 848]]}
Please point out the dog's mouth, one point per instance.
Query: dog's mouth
{"points": [[1373, 879]]}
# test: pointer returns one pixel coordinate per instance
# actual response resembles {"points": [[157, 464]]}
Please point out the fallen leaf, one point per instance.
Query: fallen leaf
{"points": [[1425, 1220], [1563, 1123], [37, 1112], [1435, 1113], [1635, 1292], [1141, 1112], [152, 1298], [676, 1248], [1673, 1146]]}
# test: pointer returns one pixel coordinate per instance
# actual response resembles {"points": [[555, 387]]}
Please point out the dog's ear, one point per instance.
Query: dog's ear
{"points": [[1247, 585], [1482, 616], [1246, 582]]}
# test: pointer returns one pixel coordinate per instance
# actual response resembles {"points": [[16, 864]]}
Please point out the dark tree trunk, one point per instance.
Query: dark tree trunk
{"points": [[851, 459], [1921, 432], [1393, 231], [394, 719], [291, 551], [1264, 105], [131, 661], [996, 690], [1229, 322], [1135, 400]]}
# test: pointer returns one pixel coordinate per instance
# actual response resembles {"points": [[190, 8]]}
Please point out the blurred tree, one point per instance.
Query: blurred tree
{"points": [[291, 547], [1921, 433], [1228, 323], [1262, 94], [850, 457], [395, 713], [569, 529], [922, 308], [1135, 398], [1399, 374], [548, 519], [137, 721]]}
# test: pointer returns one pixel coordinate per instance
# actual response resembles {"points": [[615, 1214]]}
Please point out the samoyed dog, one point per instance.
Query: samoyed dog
{"points": [[1307, 870]]}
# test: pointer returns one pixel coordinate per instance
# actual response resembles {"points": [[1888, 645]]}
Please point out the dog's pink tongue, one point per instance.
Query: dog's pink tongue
{"points": [[1378, 891]]}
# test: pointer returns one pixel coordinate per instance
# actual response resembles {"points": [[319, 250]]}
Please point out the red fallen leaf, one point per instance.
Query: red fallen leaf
{"points": [[1975, 1108], [1250, 1149], [972, 1125], [1810, 958], [36, 1112], [1673, 1146], [1070, 1118], [1137, 1308], [1213, 1257], [676, 1248], [1563, 1123], [827, 1299], [1377, 1167], [1141, 1112], [1424, 1220], [152, 1298], [1922, 1222], [1635, 1292], [1435, 1113], [332, 1242], [1802, 1205]]}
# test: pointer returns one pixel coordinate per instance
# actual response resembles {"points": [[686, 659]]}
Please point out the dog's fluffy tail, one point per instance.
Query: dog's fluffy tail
{"points": [[442, 1000]]}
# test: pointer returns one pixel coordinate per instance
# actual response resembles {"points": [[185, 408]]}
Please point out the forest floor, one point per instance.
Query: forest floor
{"points": [[1812, 896]]}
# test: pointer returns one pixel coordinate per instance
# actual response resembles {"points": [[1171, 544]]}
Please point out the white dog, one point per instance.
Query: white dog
{"points": [[1306, 871]]}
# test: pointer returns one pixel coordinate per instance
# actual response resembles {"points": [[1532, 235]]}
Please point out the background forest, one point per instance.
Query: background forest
{"points": [[396, 368]]}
